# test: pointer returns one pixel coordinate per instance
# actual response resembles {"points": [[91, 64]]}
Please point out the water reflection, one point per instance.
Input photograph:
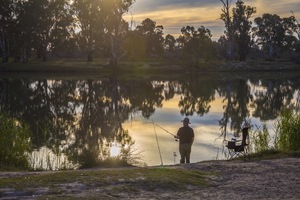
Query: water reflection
{"points": [[88, 121]]}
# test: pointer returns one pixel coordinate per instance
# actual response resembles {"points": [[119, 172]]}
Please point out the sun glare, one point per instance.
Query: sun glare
{"points": [[114, 151]]}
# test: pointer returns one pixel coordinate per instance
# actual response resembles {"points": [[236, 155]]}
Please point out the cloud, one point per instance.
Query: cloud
{"points": [[175, 14], [152, 5], [174, 17], [282, 8]]}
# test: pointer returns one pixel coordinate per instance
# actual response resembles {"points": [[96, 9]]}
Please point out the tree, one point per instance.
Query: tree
{"points": [[242, 26], [90, 20], [38, 25], [273, 33], [7, 25], [135, 45], [53, 22], [25, 30], [116, 27], [225, 16], [170, 42], [296, 56], [196, 43], [153, 36], [62, 25]]}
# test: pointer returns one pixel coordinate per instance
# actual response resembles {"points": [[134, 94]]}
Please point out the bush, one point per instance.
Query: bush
{"points": [[260, 139], [287, 132], [14, 143]]}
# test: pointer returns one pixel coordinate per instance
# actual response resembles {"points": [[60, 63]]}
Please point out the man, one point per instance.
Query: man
{"points": [[186, 136]]}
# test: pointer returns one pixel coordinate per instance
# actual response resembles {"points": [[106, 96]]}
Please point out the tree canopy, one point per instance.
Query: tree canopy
{"points": [[96, 28]]}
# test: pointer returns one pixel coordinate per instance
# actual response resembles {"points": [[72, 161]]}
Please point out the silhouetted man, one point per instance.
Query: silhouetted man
{"points": [[186, 136]]}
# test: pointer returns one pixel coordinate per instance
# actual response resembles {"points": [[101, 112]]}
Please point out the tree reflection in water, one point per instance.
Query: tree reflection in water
{"points": [[83, 119]]}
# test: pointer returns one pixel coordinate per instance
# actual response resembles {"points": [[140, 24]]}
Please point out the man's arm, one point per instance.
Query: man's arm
{"points": [[177, 136]]}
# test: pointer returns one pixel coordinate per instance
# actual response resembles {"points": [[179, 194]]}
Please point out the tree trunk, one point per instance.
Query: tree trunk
{"points": [[243, 50], [114, 57], [25, 54], [4, 49], [229, 50], [90, 56], [271, 50], [44, 55]]}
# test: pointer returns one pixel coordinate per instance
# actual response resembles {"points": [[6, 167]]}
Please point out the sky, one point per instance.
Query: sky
{"points": [[175, 14]]}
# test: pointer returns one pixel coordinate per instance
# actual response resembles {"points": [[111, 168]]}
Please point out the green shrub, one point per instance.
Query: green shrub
{"points": [[14, 143], [260, 139], [287, 131], [287, 134]]}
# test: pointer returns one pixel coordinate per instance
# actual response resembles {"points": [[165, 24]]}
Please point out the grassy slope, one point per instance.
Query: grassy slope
{"points": [[156, 68], [130, 180]]}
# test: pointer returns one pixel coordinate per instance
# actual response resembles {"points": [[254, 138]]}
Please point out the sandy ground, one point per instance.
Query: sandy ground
{"points": [[267, 179]]}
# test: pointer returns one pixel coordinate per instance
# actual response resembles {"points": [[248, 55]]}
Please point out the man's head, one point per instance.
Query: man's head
{"points": [[186, 121]]}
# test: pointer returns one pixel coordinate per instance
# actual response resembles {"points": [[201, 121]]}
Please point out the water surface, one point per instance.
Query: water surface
{"points": [[81, 121]]}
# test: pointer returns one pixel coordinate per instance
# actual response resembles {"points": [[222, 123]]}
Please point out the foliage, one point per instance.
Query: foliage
{"points": [[274, 33], [196, 43], [96, 28], [242, 26], [260, 139], [226, 17], [287, 136], [136, 45], [39, 25], [170, 42], [90, 22], [152, 35], [237, 28], [287, 131], [116, 28], [14, 143]]}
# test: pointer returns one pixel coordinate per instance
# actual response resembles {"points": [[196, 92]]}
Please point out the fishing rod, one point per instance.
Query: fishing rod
{"points": [[161, 160], [165, 130]]}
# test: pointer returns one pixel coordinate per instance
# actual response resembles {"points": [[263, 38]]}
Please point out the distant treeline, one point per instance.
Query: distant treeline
{"points": [[96, 29]]}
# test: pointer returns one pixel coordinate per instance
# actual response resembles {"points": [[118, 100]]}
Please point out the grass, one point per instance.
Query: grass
{"points": [[273, 154], [287, 131], [134, 178], [147, 68], [134, 181]]}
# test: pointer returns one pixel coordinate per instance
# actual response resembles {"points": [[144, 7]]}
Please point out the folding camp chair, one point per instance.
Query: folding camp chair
{"points": [[239, 147]]}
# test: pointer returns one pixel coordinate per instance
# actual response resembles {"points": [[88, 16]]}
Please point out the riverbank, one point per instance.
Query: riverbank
{"points": [[149, 69], [252, 179]]}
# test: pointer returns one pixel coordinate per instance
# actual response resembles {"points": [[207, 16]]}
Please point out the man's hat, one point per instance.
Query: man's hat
{"points": [[186, 120]]}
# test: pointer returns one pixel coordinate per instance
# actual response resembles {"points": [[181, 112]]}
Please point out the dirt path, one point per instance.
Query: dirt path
{"points": [[267, 179]]}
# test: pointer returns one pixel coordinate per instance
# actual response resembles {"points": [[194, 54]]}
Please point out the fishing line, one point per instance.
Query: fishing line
{"points": [[154, 124]]}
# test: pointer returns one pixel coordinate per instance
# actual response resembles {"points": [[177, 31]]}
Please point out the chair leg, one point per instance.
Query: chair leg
{"points": [[231, 154]]}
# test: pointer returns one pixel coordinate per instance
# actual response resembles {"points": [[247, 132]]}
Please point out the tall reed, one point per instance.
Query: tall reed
{"points": [[260, 139], [287, 130]]}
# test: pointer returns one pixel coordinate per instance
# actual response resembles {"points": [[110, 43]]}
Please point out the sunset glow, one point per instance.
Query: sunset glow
{"points": [[175, 15]]}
